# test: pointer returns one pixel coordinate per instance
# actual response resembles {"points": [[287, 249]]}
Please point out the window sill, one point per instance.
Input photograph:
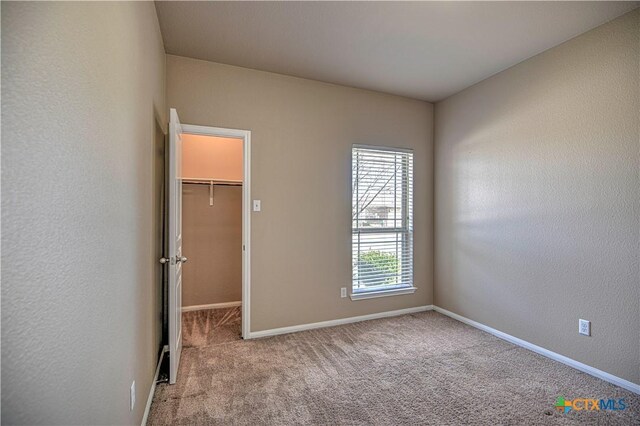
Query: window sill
{"points": [[382, 293]]}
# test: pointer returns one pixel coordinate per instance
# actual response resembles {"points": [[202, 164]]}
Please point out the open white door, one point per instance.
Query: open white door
{"points": [[176, 259]]}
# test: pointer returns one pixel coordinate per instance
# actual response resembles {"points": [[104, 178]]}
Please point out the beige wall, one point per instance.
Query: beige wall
{"points": [[302, 132], [212, 241], [537, 199], [211, 157], [82, 94]]}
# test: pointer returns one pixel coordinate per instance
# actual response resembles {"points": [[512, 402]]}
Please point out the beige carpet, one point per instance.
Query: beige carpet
{"points": [[416, 369], [211, 326]]}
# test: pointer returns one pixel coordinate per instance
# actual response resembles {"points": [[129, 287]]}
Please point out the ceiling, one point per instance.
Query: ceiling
{"points": [[423, 50]]}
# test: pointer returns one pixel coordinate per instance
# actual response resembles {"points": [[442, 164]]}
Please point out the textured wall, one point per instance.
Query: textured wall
{"points": [[302, 132], [82, 91], [537, 199], [212, 241]]}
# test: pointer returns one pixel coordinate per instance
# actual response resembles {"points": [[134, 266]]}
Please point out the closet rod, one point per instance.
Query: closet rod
{"points": [[213, 182]]}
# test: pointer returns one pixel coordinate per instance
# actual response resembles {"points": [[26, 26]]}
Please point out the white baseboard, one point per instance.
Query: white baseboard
{"points": [[211, 306], [332, 323], [153, 387], [607, 377]]}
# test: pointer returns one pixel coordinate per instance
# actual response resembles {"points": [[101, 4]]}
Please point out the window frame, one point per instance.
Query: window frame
{"points": [[406, 230]]}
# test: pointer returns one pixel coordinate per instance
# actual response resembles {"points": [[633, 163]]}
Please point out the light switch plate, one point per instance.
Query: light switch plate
{"points": [[343, 292], [256, 205]]}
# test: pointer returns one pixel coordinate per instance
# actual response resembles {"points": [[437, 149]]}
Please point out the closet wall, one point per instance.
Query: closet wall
{"points": [[212, 234], [206, 156]]}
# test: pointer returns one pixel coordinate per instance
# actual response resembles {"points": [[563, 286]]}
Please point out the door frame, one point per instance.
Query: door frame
{"points": [[245, 135]]}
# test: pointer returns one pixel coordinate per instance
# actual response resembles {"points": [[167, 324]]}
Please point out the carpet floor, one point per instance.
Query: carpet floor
{"points": [[422, 368], [211, 327]]}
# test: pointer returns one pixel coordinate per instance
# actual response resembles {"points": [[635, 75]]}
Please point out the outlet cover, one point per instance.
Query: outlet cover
{"points": [[584, 327], [132, 395], [343, 292]]}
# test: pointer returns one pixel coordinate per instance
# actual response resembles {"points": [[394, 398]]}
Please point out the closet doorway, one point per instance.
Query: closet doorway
{"points": [[215, 235]]}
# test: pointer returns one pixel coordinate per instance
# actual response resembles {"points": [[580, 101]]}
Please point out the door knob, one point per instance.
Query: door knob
{"points": [[164, 260], [182, 259]]}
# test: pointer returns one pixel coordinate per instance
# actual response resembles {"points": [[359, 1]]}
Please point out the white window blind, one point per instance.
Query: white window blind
{"points": [[382, 218]]}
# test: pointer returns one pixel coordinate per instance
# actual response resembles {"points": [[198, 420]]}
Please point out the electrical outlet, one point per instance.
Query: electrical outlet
{"points": [[132, 395], [584, 327], [343, 292]]}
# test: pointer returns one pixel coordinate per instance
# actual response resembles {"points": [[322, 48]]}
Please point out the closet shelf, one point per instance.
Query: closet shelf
{"points": [[205, 181]]}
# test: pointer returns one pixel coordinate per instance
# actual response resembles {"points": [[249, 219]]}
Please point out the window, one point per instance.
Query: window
{"points": [[382, 221]]}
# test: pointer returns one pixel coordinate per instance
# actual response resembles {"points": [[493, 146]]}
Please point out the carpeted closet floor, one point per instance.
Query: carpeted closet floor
{"points": [[211, 327], [415, 369]]}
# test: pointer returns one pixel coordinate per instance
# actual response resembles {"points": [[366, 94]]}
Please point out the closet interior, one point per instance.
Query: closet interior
{"points": [[212, 173]]}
